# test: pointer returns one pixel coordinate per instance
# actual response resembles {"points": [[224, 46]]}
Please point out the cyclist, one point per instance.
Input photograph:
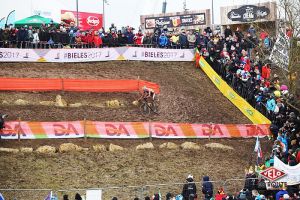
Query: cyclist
{"points": [[147, 93]]}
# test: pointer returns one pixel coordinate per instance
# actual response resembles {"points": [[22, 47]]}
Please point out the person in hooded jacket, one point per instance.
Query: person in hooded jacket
{"points": [[207, 188], [189, 190]]}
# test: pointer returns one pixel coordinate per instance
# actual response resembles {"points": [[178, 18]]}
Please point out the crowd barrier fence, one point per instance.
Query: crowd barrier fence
{"points": [[251, 113], [230, 186], [95, 54], [129, 130], [74, 85]]}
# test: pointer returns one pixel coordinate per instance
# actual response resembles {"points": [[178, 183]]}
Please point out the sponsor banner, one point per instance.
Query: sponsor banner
{"points": [[95, 54], [117, 129], [63, 129], [87, 20], [292, 176], [172, 130], [18, 55], [173, 21], [156, 54], [252, 114], [81, 55], [126, 130]]}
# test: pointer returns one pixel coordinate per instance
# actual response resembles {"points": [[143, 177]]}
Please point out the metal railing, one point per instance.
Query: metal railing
{"points": [[82, 45], [230, 186]]}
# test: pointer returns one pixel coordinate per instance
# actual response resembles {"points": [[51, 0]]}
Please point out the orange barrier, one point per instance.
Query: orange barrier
{"points": [[130, 130], [76, 85]]}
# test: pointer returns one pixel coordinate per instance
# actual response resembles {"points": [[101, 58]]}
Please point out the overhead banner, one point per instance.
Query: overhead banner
{"points": [[173, 21], [86, 20], [292, 176], [153, 54], [95, 54], [129, 130], [255, 116]]}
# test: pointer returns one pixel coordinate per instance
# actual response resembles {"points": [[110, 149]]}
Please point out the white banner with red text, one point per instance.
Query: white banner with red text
{"points": [[129, 130], [95, 54]]}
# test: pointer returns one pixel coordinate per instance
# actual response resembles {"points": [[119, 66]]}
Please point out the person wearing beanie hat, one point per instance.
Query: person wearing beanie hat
{"points": [[286, 196], [189, 189]]}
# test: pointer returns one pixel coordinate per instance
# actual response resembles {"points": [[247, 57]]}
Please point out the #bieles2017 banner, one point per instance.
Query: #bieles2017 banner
{"points": [[129, 130], [87, 20], [95, 54]]}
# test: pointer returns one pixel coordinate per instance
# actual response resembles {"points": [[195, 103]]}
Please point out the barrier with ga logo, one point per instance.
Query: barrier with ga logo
{"points": [[129, 130]]}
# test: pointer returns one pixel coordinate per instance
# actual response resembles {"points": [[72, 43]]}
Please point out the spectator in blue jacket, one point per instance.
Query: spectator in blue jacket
{"points": [[207, 188], [271, 104], [163, 40], [129, 35]]}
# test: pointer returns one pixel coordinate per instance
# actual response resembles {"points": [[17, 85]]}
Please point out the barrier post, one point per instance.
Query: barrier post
{"points": [[84, 129], [138, 83], [62, 85], [150, 132], [210, 130], [19, 128]]}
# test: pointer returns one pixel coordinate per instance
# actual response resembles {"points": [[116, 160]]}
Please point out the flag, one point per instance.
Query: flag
{"points": [[49, 196], [257, 148], [1, 197]]}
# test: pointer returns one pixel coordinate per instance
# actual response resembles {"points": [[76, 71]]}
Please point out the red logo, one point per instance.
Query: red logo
{"points": [[272, 173], [92, 21]]}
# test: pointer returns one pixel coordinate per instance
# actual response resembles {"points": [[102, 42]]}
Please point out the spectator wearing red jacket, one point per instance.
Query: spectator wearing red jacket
{"points": [[84, 38], [90, 38], [220, 194], [138, 38], [266, 71], [97, 40]]}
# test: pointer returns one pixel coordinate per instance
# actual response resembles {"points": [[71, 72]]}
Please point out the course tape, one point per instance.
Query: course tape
{"points": [[75, 85], [95, 54], [252, 114], [129, 130]]}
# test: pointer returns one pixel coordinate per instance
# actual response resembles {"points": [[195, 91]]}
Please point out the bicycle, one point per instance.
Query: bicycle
{"points": [[147, 106]]}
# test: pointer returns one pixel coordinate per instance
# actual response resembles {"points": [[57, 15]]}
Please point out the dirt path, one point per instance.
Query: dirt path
{"points": [[187, 95]]}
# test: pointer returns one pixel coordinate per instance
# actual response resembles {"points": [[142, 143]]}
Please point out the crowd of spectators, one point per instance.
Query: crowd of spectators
{"points": [[52, 36], [236, 59]]}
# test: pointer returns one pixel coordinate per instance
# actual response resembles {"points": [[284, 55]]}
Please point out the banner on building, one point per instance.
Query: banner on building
{"points": [[95, 54], [86, 20], [174, 21], [129, 130]]}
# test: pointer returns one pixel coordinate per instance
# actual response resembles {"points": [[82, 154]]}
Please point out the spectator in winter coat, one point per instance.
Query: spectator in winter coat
{"points": [[163, 40], [22, 35], [147, 39], [138, 38], [189, 190], [77, 197], [129, 36], [266, 71], [183, 41], [97, 41], [220, 194], [227, 32], [191, 39], [207, 188]]}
